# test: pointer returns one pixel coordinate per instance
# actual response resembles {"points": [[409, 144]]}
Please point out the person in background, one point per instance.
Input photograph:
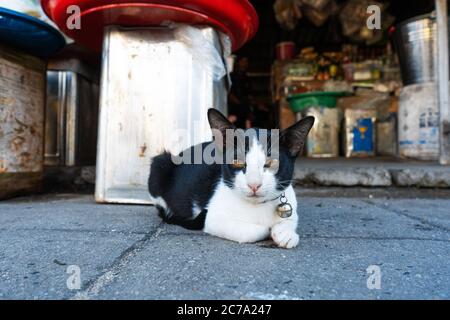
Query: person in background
{"points": [[261, 116], [239, 99]]}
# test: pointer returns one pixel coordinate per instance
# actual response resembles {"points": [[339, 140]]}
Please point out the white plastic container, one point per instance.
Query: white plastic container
{"points": [[418, 122]]}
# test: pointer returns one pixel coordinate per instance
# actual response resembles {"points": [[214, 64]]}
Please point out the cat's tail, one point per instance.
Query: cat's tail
{"points": [[161, 172], [195, 223]]}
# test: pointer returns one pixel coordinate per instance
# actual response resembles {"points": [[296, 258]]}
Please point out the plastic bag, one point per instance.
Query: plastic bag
{"points": [[316, 4], [29, 7], [319, 17], [287, 13], [203, 49], [24, 6], [353, 19]]}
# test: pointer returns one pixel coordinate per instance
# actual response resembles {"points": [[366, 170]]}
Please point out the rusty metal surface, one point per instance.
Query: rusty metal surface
{"points": [[22, 94], [20, 183], [21, 114]]}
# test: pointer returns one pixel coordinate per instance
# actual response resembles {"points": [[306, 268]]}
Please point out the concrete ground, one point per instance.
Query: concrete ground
{"points": [[371, 172], [49, 242]]}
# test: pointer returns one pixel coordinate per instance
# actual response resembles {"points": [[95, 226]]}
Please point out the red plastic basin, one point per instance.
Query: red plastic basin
{"points": [[236, 18]]}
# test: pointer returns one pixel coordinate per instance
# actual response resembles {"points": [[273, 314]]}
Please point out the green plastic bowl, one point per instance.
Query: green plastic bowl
{"points": [[302, 101]]}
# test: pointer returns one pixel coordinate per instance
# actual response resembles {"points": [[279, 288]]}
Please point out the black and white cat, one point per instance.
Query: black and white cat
{"points": [[238, 200]]}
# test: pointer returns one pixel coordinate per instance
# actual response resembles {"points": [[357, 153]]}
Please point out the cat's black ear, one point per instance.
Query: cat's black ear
{"points": [[219, 125], [294, 137]]}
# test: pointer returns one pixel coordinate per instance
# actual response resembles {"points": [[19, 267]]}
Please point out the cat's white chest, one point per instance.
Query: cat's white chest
{"points": [[232, 217]]}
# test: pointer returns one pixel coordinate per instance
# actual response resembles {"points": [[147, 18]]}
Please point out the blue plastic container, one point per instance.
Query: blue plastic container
{"points": [[29, 34]]}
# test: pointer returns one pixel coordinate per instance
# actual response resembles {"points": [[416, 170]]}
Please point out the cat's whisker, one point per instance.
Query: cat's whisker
{"points": [[284, 182]]}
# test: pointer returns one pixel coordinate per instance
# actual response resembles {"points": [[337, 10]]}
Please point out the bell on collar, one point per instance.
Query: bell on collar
{"points": [[284, 210]]}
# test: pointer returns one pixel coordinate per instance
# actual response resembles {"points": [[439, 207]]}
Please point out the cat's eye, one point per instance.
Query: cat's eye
{"points": [[238, 164], [271, 163]]}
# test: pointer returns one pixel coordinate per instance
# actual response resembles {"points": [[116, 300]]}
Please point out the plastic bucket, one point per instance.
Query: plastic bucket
{"points": [[285, 50]]}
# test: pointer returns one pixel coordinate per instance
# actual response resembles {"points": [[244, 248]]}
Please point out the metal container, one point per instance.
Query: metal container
{"points": [[71, 114], [387, 136], [387, 132], [415, 42], [323, 139], [22, 94], [155, 93], [418, 122], [359, 132]]}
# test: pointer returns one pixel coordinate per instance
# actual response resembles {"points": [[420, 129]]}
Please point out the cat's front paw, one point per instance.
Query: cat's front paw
{"points": [[283, 235]]}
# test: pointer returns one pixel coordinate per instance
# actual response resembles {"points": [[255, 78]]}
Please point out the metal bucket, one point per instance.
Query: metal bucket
{"points": [[22, 95], [415, 43], [71, 114], [154, 96]]}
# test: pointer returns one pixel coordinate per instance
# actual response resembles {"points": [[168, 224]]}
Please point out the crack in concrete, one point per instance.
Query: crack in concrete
{"points": [[421, 220], [119, 232], [94, 286]]}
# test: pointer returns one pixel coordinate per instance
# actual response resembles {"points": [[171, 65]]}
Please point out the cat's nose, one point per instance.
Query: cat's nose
{"points": [[254, 187]]}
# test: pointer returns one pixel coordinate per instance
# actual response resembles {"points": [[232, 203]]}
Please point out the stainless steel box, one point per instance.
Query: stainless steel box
{"points": [[22, 94], [155, 93], [323, 139], [71, 114]]}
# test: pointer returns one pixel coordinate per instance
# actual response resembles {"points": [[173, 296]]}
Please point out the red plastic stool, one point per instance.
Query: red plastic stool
{"points": [[236, 18]]}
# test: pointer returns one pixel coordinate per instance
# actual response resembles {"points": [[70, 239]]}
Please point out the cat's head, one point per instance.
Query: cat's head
{"points": [[258, 164]]}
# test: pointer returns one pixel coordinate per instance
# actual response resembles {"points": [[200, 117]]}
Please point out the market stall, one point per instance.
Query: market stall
{"points": [[375, 87], [373, 90]]}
